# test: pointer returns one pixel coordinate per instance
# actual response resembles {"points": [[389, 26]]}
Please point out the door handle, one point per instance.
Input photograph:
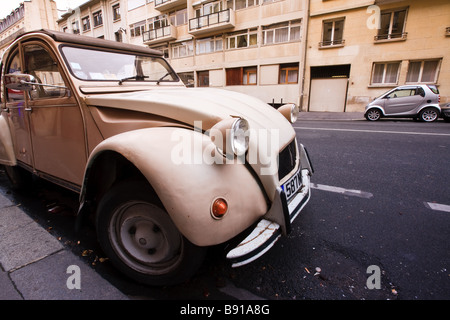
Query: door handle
{"points": [[28, 109]]}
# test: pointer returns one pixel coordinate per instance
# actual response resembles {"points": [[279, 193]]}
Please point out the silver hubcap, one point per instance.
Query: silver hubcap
{"points": [[145, 238], [429, 115], [373, 115]]}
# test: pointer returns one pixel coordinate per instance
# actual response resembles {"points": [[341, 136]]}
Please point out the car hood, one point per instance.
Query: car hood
{"points": [[270, 132], [190, 105]]}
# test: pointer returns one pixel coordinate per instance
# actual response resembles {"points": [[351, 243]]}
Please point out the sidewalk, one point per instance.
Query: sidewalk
{"points": [[34, 264], [347, 116]]}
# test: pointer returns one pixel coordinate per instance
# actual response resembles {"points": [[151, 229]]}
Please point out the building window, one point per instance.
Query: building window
{"points": [[332, 33], [116, 12], [288, 73], [208, 45], [182, 49], [243, 39], [76, 27], [86, 24], [423, 71], [242, 4], [203, 79], [282, 32], [137, 29], [98, 19], [392, 25], [385, 73], [178, 18], [241, 76]]}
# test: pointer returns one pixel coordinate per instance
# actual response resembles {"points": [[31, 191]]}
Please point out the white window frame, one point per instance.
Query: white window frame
{"points": [[182, 49], [420, 76], [383, 76], [269, 32], [248, 34]]}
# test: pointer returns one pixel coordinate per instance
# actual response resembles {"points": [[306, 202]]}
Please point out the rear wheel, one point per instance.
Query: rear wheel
{"points": [[429, 115], [141, 240], [373, 115]]}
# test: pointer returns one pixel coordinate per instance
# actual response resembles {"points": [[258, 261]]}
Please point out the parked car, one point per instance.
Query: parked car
{"points": [[408, 101], [164, 171], [445, 112]]}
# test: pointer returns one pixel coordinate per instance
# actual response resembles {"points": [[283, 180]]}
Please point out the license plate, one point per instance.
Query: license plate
{"points": [[293, 185]]}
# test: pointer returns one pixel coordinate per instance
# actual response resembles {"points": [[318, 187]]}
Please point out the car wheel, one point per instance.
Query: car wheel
{"points": [[428, 115], [141, 240], [373, 115]]}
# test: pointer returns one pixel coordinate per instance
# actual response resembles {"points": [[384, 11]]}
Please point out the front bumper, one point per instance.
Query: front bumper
{"points": [[276, 222]]}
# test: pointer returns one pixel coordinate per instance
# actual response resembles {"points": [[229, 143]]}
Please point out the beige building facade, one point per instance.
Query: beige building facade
{"points": [[324, 55], [359, 49], [251, 46], [30, 15]]}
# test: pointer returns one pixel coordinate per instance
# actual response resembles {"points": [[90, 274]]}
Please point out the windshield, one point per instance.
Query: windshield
{"points": [[97, 65]]}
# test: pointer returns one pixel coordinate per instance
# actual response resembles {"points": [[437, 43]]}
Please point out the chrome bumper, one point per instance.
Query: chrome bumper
{"points": [[276, 222]]}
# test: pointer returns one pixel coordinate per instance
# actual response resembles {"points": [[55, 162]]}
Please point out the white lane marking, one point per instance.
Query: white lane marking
{"points": [[376, 131], [437, 206], [347, 192]]}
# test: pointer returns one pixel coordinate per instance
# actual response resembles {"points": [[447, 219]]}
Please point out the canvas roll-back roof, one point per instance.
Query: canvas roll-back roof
{"points": [[91, 41]]}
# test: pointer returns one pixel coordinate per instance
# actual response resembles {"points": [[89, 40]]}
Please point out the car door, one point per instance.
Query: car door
{"points": [[402, 101], [56, 122], [16, 112]]}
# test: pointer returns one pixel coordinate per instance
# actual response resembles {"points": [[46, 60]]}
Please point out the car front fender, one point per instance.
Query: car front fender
{"points": [[187, 179], [7, 156]]}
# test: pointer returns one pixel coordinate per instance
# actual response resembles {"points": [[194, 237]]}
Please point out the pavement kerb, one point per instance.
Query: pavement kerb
{"points": [[34, 265]]}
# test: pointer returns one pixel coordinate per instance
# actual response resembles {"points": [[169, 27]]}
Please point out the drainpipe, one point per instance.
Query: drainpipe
{"points": [[305, 48]]}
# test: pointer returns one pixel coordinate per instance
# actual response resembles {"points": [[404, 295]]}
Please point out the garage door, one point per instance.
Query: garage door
{"points": [[328, 95]]}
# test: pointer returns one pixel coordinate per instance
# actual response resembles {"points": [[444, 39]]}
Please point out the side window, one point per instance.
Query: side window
{"points": [[13, 66], [41, 65], [420, 92], [402, 93]]}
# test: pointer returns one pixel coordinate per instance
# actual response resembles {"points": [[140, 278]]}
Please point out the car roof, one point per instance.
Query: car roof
{"points": [[91, 41]]}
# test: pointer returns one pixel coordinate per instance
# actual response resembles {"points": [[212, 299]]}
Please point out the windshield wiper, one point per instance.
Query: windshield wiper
{"points": [[132, 78], [160, 79]]}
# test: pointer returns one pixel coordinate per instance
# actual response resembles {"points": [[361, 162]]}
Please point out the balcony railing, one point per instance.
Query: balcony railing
{"points": [[391, 36], [212, 22], [167, 33], [331, 43], [164, 5]]}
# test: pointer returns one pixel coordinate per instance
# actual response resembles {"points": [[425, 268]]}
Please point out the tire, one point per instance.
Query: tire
{"points": [[429, 115], [373, 115], [141, 240]]}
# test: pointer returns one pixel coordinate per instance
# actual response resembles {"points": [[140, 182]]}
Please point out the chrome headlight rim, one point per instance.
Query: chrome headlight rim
{"points": [[239, 136]]}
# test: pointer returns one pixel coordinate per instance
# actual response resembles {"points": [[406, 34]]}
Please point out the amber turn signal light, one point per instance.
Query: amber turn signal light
{"points": [[219, 208]]}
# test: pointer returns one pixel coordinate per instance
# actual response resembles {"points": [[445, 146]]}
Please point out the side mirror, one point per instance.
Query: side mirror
{"points": [[19, 81]]}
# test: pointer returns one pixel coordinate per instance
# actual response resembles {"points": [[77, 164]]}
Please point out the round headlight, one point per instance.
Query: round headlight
{"points": [[290, 112], [239, 136]]}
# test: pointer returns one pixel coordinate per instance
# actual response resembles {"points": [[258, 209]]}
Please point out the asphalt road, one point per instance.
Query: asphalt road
{"points": [[379, 200]]}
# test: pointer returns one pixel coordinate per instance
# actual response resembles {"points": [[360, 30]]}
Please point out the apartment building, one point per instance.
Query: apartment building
{"points": [[251, 46], [359, 49], [30, 15]]}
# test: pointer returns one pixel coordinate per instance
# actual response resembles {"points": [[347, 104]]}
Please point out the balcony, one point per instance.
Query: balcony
{"points": [[159, 35], [213, 22], [165, 5]]}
